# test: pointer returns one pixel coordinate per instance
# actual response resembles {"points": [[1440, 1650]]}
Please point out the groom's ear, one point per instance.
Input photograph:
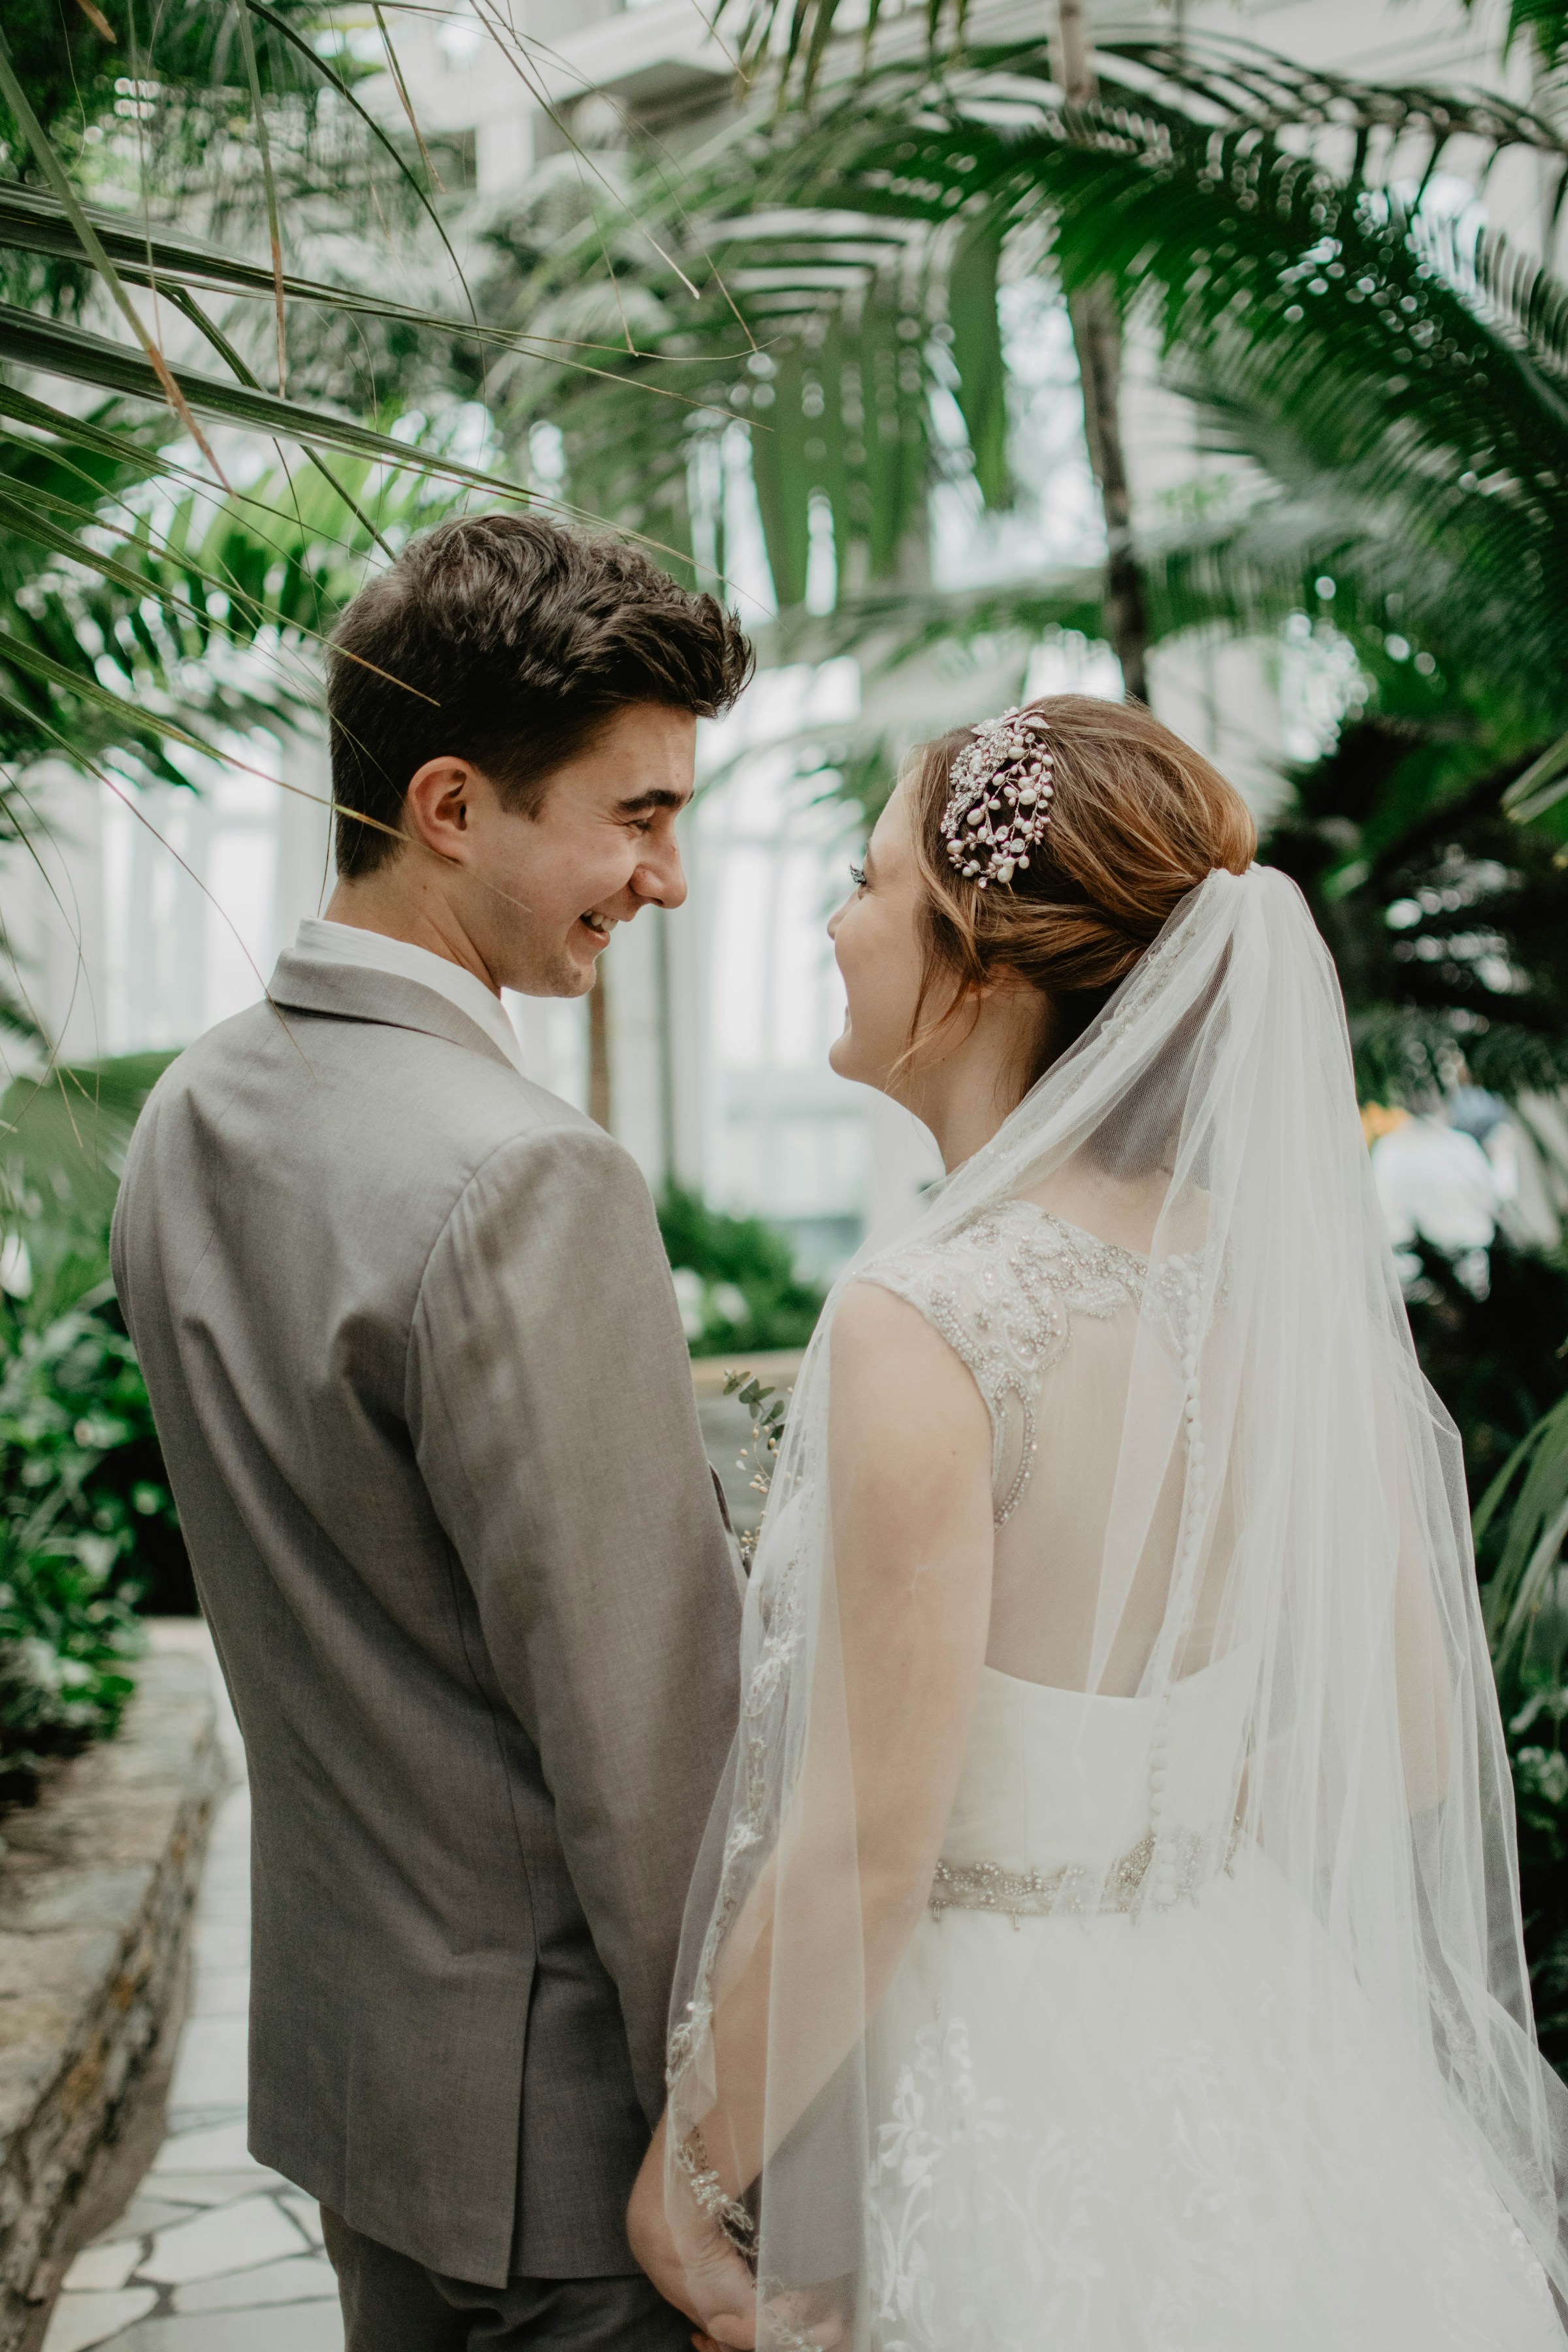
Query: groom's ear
{"points": [[437, 809]]}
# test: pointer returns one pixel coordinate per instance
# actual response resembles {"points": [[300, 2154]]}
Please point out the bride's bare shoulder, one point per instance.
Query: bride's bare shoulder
{"points": [[877, 1331], [898, 1396], [869, 1317]]}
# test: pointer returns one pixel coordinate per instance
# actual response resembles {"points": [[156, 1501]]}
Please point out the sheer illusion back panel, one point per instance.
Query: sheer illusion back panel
{"points": [[1048, 1317]]}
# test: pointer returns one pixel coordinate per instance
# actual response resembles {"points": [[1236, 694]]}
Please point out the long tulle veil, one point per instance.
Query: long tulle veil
{"points": [[1273, 1483]]}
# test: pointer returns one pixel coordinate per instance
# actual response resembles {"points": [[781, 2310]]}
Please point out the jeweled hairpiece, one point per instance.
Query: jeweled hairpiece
{"points": [[999, 803]]}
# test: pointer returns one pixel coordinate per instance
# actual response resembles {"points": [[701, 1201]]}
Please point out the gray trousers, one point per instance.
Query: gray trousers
{"points": [[393, 2304]]}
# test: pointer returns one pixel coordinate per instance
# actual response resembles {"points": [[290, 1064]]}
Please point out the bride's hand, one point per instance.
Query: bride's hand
{"points": [[701, 2274]]}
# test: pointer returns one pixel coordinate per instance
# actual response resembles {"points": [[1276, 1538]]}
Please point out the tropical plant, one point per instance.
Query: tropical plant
{"points": [[88, 1527], [1498, 1364], [88, 1532], [65, 1644], [71, 1398], [1448, 923], [62, 1146], [1378, 377], [63, 1138], [1521, 1528], [132, 551]]}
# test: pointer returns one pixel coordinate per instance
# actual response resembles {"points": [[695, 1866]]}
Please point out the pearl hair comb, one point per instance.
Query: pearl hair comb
{"points": [[1000, 802]]}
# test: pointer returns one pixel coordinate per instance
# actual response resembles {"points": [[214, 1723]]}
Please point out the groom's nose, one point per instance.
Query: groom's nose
{"points": [[659, 877]]}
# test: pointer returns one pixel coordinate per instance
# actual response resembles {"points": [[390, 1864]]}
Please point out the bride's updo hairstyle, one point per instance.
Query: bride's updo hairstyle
{"points": [[1138, 819]]}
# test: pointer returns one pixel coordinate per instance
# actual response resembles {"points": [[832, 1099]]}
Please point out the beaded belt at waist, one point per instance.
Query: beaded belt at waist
{"points": [[1175, 1867]]}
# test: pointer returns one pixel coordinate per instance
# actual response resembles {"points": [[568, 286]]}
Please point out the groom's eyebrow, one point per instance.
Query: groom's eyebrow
{"points": [[659, 797]]}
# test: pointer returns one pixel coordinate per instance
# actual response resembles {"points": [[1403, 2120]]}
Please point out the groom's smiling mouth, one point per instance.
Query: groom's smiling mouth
{"points": [[599, 927]]}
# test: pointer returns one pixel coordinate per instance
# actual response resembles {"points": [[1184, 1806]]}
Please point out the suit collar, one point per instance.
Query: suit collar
{"points": [[356, 992]]}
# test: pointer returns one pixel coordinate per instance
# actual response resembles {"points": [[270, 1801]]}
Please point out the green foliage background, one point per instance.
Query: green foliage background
{"points": [[82, 1491], [89, 1533], [1498, 1365], [745, 1254]]}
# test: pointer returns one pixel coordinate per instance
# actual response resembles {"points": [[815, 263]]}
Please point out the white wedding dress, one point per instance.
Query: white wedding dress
{"points": [[1100, 2125], [1203, 2024]]}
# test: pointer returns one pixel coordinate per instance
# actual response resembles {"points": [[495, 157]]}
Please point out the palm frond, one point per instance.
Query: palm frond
{"points": [[1268, 219], [63, 1137], [54, 349], [796, 37], [130, 605], [1524, 1583], [1544, 23]]}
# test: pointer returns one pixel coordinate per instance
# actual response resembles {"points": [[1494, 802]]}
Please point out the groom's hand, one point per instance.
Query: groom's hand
{"points": [[700, 2273]]}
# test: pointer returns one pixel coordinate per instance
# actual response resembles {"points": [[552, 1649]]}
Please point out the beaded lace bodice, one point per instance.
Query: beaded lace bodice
{"points": [[1004, 1291], [1073, 1799]]}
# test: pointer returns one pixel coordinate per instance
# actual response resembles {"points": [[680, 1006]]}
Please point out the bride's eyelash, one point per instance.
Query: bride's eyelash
{"points": [[857, 876]]}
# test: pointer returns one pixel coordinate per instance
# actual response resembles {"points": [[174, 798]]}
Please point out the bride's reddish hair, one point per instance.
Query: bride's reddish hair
{"points": [[1138, 819]]}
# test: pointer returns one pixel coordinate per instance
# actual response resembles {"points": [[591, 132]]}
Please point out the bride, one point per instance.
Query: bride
{"points": [[1107, 1936]]}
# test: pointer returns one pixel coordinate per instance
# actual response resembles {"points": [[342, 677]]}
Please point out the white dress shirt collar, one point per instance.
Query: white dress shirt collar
{"points": [[320, 942]]}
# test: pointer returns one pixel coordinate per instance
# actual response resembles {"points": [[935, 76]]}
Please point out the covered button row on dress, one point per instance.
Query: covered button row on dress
{"points": [[1164, 1886]]}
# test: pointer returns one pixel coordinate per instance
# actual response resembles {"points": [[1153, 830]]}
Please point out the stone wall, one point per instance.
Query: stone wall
{"points": [[97, 1882]]}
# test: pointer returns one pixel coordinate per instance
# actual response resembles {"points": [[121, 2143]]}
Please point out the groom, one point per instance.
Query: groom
{"points": [[420, 1380]]}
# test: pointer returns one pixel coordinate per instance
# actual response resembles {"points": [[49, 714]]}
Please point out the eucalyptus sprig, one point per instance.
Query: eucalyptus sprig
{"points": [[768, 1407]]}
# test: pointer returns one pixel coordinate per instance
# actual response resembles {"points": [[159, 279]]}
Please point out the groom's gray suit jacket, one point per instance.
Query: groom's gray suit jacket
{"points": [[420, 1380]]}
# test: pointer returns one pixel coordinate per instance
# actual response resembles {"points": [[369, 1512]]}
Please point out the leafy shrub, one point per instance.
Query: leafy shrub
{"points": [[87, 1527], [1519, 1527], [1498, 1364], [1541, 1805], [735, 1278], [73, 1415], [76, 1428]]}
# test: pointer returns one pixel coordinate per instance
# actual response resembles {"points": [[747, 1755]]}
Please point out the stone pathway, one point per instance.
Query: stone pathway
{"points": [[212, 2254]]}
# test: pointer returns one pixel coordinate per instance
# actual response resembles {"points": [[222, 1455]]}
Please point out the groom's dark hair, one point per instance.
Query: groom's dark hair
{"points": [[507, 641]]}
